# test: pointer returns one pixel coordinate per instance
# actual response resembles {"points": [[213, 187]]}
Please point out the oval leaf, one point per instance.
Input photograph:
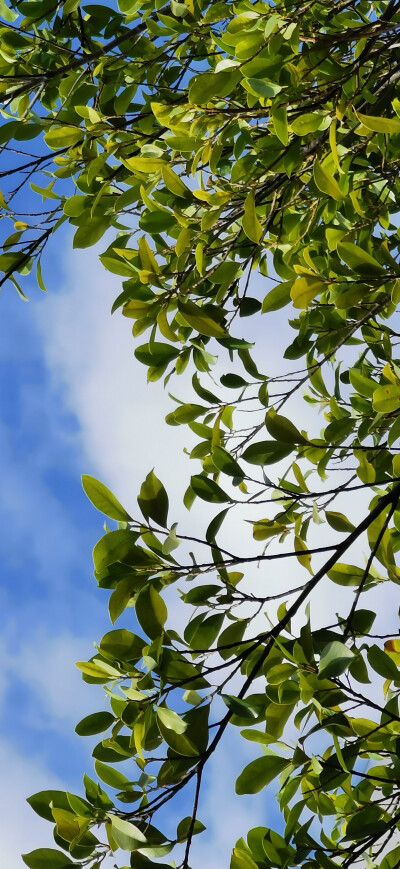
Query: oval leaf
{"points": [[153, 500], [103, 499], [386, 398], [98, 722], [47, 858], [259, 773], [335, 659], [127, 836]]}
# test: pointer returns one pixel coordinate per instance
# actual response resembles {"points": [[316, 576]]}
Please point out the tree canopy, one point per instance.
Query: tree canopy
{"points": [[243, 160]]}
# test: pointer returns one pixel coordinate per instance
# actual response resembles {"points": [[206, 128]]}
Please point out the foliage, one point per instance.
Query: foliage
{"points": [[218, 143]]}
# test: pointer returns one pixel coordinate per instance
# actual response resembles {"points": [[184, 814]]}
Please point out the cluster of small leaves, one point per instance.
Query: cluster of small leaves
{"points": [[218, 144]]}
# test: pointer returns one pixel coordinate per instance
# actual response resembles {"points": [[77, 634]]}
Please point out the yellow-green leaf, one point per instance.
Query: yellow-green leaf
{"points": [[147, 259], [148, 165], [64, 137], [173, 182], [379, 125], [199, 320], [153, 500], [305, 289], [386, 398], [103, 499], [250, 222], [326, 182], [282, 429], [358, 259], [280, 123]]}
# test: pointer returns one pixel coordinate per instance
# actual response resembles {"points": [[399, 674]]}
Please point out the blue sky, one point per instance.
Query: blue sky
{"points": [[50, 612]]}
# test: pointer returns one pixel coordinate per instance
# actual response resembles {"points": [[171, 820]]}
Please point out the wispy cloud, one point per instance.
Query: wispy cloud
{"points": [[22, 830], [53, 689]]}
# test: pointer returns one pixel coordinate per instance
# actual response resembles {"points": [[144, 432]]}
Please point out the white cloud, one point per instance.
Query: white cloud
{"points": [[22, 830], [91, 358], [45, 665]]}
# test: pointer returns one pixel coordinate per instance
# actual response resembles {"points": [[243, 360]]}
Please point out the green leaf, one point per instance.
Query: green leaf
{"points": [[386, 399], [326, 182], [103, 499], [363, 385], [262, 88], [365, 823], [174, 183], [148, 165], [151, 611], [178, 742], [335, 659], [114, 546], [41, 802], [121, 598], [183, 143], [346, 574], [215, 525], [185, 413], [122, 645], [250, 222], [233, 381], [227, 272], [338, 521], [153, 500], [277, 298], [203, 87], [156, 353], [6, 12], [47, 858], [98, 722], [171, 719], [112, 777], [358, 259], [226, 463], [259, 773], [98, 670], [280, 123], [305, 289], [127, 836], [200, 320], [186, 825], [239, 707], [379, 125], [208, 490], [90, 231], [204, 634], [69, 826], [63, 137], [307, 123], [282, 429], [266, 452], [382, 663], [266, 528]]}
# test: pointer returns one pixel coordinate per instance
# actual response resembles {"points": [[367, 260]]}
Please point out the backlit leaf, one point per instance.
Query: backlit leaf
{"points": [[103, 499], [305, 289], [153, 500], [250, 222], [127, 836], [326, 182], [259, 773]]}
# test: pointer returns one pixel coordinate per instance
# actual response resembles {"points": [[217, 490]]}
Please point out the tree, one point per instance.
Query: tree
{"points": [[220, 143]]}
